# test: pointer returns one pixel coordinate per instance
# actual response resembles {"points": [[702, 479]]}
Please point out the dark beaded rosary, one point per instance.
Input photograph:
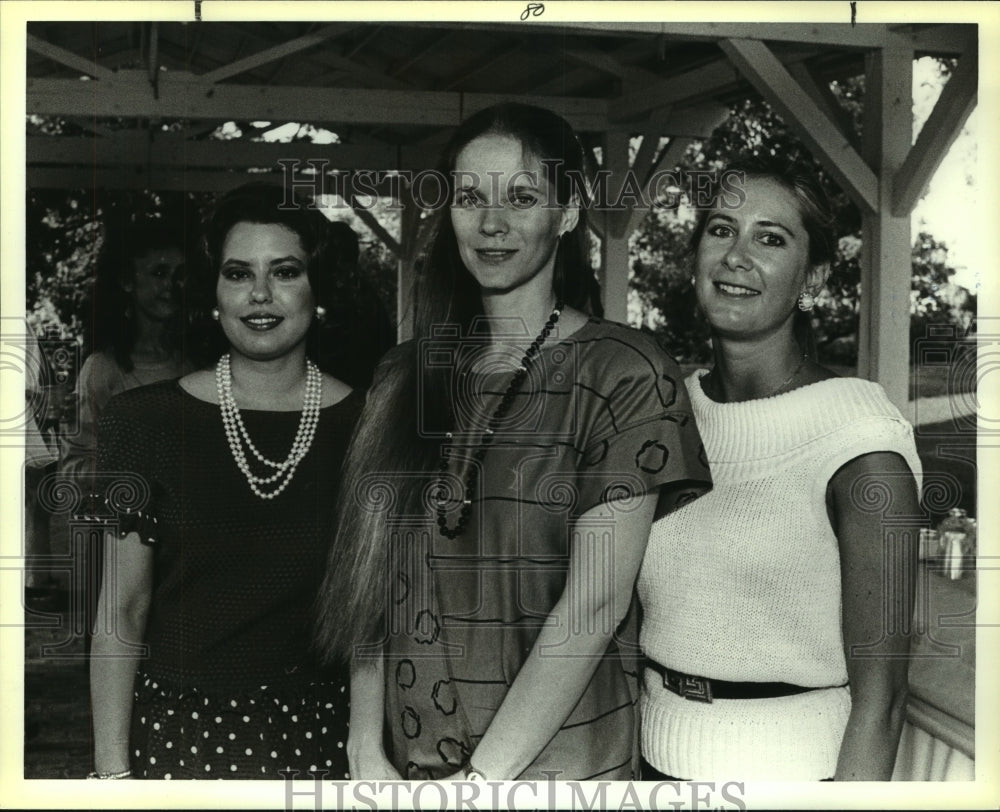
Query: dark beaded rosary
{"points": [[486, 439]]}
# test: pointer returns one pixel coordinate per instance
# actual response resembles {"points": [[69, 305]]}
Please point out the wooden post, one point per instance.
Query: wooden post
{"points": [[615, 266], [884, 326]]}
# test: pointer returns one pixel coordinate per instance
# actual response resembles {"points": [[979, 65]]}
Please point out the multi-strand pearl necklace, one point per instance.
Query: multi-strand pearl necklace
{"points": [[236, 432], [486, 439]]}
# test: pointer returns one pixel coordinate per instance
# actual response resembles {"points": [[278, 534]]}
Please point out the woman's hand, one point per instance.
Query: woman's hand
{"points": [[580, 626], [878, 571], [368, 762], [366, 756]]}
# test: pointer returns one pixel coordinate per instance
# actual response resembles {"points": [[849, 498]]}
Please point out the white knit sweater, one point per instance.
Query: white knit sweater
{"points": [[743, 584]]}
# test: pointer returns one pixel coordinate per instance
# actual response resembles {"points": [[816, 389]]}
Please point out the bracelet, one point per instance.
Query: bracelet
{"points": [[110, 776]]}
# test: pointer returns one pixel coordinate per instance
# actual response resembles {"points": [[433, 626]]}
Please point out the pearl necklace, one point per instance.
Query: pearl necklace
{"points": [[236, 432], [486, 438]]}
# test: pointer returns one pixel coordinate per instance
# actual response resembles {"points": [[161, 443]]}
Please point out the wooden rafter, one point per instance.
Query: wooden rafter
{"points": [[67, 58], [704, 81], [377, 228], [364, 42], [773, 81], [819, 91], [602, 61], [184, 95], [668, 159], [276, 52], [957, 101], [174, 150], [829, 35], [489, 62]]}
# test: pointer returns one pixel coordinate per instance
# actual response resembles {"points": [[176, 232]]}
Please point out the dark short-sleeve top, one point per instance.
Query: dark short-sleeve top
{"points": [[235, 576], [602, 415]]}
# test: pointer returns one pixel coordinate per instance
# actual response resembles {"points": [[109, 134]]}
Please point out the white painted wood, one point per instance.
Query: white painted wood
{"points": [[957, 101], [773, 81], [884, 326]]}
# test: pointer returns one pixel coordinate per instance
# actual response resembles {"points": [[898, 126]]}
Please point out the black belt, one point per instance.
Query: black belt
{"points": [[703, 689]]}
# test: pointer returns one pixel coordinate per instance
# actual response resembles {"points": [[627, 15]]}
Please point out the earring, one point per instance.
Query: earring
{"points": [[692, 280], [215, 313], [806, 301], [320, 312]]}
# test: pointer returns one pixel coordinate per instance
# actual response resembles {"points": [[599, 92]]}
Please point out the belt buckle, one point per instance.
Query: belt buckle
{"points": [[697, 689]]}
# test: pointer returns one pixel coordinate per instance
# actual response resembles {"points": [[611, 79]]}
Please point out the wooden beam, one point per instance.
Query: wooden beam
{"points": [[161, 178], [615, 266], [67, 58], [642, 167], [773, 81], [127, 94], [415, 57], [951, 39], [819, 91], [173, 150], [366, 217], [957, 101], [281, 51], [602, 61], [676, 89], [833, 35], [668, 160], [886, 264], [488, 62]]}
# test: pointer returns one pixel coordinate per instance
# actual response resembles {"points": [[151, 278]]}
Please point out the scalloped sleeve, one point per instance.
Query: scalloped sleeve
{"points": [[641, 432], [123, 497]]}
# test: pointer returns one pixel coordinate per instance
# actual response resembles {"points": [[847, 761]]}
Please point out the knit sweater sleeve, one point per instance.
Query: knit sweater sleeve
{"points": [[877, 427]]}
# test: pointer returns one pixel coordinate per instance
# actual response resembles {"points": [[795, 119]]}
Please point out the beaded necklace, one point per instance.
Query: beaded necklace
{"points": [[486, 438], [236, 432]]}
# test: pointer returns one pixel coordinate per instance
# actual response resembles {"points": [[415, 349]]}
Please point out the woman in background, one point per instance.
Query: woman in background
{"points": [[502, 482], [776, 609], [204, 671], [137, 320], [137, 338]]}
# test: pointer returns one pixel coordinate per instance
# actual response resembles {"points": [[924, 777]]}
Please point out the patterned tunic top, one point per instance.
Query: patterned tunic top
{"points": [[603, 414]]}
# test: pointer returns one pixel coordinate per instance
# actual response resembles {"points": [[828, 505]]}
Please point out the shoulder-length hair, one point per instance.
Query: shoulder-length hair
{"points": [[124, 242], [352, 602], [266, 203]]}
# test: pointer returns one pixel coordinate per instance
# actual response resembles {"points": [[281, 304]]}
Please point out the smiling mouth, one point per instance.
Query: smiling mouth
{"points": [[735, 290], [495, 254], [262, 321]]}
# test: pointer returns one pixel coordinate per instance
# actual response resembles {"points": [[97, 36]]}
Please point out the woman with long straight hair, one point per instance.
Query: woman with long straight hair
{"points": [[501, 485]]}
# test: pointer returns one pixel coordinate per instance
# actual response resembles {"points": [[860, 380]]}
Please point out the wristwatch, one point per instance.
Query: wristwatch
{"points": [[471, 773]]}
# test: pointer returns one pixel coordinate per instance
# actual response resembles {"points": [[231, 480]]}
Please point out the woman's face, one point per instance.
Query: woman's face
{"points": [[753, 261], [505, 218], [264, 299], [153, 285]]}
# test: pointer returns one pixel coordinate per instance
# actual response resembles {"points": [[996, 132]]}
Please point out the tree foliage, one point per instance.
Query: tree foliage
{"points": [[661, 269]]}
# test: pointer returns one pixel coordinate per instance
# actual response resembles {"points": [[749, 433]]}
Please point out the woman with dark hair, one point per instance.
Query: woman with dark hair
{"points": [[502, 481], [776, 609], [136, 317], [203, 670]]}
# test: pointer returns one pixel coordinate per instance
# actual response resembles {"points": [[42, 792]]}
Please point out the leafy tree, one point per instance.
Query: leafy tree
{"points": [[661, 268]]}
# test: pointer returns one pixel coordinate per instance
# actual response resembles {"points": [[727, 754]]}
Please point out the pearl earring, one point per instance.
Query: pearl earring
{"points": [[806, 301], [320, 312], [215, 313]]}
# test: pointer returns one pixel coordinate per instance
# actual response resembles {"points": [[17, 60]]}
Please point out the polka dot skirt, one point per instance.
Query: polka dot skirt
{"points": [[187, 734]]}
